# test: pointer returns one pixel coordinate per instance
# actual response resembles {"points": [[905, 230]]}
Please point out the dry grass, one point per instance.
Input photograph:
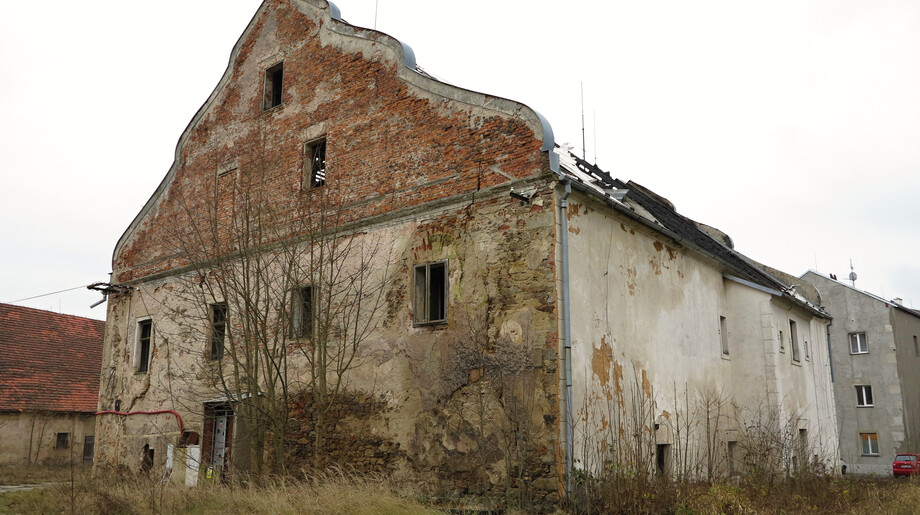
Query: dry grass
{"points": [[332, 493]]}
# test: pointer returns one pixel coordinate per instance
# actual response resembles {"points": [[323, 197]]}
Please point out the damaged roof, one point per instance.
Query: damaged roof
{"points": [[641, 202], [49, 361]]}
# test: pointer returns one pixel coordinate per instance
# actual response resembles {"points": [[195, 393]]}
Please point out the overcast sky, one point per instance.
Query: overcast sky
{"points": [[794, 126]]}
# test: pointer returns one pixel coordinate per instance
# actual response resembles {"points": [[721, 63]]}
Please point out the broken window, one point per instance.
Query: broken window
{"points": [[274, 78], [794, 341], [302, 310], [63, 441], [144, 340], [869, 444], [147, 458], [858, 343], [218, 317], [430, 293], [723, 332], [89, 446], [315, 162], [864, 396]]}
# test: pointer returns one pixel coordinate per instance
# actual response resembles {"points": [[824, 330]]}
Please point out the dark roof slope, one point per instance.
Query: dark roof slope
{"points": [[49, 361]]}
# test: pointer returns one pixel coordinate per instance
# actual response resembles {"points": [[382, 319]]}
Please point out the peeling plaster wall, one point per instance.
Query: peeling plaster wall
{"points": [[647, 344], [469, 406], [36, 433]]}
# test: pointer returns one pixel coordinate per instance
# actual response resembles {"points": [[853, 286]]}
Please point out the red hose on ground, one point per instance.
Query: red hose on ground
{"points": [[124, 414]]}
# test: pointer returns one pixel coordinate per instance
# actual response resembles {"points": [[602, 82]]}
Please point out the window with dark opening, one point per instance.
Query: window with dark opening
{"points": [[431, 293], [794, 341], [733, 468], [63, 441], [303, 306], [274, 78], [218, 330], [315, 154], [144, 337], [916, 347], [864, 396]]}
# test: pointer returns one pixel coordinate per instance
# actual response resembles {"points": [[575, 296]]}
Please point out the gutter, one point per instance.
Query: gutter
{"points": [[567, 336]]}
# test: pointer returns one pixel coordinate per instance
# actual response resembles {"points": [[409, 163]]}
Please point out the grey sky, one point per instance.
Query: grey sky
{"points": [[791, 125]]}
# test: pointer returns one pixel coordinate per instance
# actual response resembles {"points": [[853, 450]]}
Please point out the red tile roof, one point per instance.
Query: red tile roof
{"points": [[49, 361]]}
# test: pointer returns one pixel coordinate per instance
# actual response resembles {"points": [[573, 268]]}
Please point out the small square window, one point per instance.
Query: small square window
{"points": [[315, 163], [302, 311], [63, 441], [430, 293], [274, 79], [864, 396], [794, 341], [218, 318], [858, 343], [869, 444], [144, 344]]}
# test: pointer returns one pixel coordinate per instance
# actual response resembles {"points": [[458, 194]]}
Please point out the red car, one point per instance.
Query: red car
{"points": [[906, 464]]}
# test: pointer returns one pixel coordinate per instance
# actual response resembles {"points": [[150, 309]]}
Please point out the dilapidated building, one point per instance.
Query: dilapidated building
{"points": [[49, 372], [409, 277]]}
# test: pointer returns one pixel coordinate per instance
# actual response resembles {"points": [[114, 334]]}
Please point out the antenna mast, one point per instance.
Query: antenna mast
{"points": [[583, 120], [852, 273]]}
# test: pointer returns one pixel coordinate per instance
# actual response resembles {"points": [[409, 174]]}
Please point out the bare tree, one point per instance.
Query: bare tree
{"points": [[282, 295]]}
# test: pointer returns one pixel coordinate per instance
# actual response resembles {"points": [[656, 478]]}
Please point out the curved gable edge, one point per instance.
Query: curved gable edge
{"points": [[408, 73]]}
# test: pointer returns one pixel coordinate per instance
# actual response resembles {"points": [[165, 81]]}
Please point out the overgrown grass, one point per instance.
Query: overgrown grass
{"points": [[338, 492], [128, 494]]}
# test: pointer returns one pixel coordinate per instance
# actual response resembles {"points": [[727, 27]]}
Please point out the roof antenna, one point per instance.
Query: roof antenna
{"points": [[375, 13], [594, 113], [583, 120], [852, 273]]}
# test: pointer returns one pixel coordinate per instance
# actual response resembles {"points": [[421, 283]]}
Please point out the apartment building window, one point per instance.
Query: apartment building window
{"points": [[315, 163], [723, 333], [63, 441], [864, 396], [794, 341], [869, 444], [274, 79], [218, 318], [303, 311], [430, 293], [858, 343], [143, 345]]}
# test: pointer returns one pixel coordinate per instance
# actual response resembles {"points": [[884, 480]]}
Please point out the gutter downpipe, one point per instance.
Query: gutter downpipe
{"points": [[567, 335]]}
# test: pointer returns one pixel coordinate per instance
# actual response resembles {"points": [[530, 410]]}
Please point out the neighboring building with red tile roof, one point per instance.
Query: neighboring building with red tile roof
{"points": [[49, 385]]}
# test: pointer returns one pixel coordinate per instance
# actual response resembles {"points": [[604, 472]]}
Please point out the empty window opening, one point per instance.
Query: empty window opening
{"points": [[723, 332], [304, 304], [916, 347], [147, 458], [662, 458], [858, 343], [218, 317], [733, 468], [189, 439], [864, 396], [63, 441], [794, 341], [869, 444], [315, 154], [144, 340], [274, 79], [431, 293]]}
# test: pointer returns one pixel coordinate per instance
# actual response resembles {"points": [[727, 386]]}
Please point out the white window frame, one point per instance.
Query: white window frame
{"points": [[864, 397], [421, 310], [862, 347], [872, 440]]}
